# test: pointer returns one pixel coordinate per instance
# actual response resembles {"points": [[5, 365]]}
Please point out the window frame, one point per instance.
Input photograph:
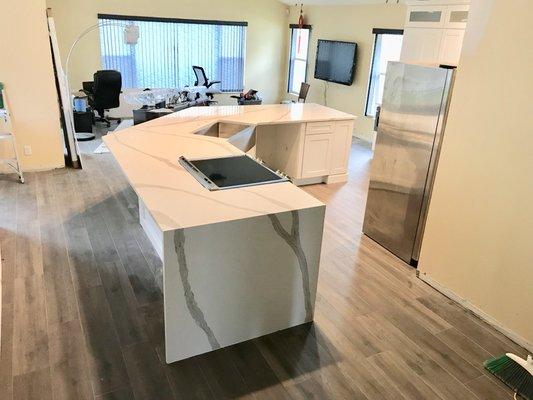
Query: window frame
{"points": [[168, 19], [376, 32], [292, 27], [133, 18]]}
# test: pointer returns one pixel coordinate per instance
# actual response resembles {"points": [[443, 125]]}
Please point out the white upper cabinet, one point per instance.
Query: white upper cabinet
{"points": [[425, 17], [456, 17], [434, 34], [451, 45], [421, 45]]}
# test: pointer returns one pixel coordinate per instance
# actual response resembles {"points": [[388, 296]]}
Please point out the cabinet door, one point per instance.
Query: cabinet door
{"points": [[421, 45], [425, 16], [340, 147], [316, 155], [450, 49], [456, 17]]}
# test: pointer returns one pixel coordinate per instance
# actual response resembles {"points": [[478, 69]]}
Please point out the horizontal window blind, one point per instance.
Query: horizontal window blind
{"points": [[167, 49]]}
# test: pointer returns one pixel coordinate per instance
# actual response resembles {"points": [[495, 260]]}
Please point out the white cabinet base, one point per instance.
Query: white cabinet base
{"points": [[316, 152], [337, 178]]}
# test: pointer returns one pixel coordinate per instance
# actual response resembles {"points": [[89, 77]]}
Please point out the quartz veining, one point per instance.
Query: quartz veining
{"points": [[148, 154], [237, 263]]}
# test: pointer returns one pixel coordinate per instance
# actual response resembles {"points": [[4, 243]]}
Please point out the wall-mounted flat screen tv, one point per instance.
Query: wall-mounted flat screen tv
{"points": [[335, 61]]}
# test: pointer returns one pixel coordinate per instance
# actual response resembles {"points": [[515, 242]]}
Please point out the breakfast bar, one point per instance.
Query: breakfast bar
{"points": [[238, 262]]}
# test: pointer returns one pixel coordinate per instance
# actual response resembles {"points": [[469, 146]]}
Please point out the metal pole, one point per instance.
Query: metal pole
{"points": [[70, 119]]}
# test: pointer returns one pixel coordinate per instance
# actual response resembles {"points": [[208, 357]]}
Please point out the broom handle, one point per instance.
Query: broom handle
{"points": [[527, 364]]}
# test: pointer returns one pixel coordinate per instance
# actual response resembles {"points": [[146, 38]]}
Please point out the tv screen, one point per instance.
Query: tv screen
{"points": [[335, 61]]}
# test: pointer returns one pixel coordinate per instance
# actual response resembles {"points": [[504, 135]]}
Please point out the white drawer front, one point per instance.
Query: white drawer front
{"points": [[315, 128]]}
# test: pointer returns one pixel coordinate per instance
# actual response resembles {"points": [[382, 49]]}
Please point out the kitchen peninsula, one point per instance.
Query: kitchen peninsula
{"points": [[243, 262]]}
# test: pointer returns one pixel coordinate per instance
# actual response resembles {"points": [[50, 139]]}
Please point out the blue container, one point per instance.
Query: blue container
{"points": [[80, 103]]}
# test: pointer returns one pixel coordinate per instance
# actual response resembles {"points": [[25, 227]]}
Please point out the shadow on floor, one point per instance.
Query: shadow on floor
{"points": [[122, 318]]}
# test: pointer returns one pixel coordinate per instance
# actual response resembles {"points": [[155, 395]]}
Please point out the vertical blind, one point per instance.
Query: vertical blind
{"points": [[168, 48]]}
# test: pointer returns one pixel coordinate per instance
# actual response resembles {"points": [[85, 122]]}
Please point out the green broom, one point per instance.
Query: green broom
{"points": [[515, 372]]}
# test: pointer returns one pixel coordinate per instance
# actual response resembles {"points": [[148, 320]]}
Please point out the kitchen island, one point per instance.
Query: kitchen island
{"points": [[243, 262]]}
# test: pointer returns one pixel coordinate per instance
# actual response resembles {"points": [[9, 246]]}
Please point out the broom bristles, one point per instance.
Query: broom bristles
{"points": [[512, 374]]}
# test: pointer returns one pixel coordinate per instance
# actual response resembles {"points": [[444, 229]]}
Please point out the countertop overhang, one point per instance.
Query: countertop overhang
{"points": [[148, 155]]}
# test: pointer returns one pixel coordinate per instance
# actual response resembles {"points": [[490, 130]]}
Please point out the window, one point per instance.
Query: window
{"points": [[298, 57], [387, 47], [168, 48]]}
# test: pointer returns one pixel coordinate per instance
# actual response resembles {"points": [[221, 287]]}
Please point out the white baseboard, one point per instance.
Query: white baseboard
{"points": [[31, 169], [480, 313]]}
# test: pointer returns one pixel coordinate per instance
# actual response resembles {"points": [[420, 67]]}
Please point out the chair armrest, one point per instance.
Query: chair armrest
{"points": [[212, 83]]}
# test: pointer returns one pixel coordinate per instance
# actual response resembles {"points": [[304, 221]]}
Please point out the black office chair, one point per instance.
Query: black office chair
{"points": [[304, 89], [104, 93], [201, 79]]}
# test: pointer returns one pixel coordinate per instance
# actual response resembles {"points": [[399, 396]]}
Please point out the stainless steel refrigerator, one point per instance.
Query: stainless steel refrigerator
{"points": [[411, 122]]}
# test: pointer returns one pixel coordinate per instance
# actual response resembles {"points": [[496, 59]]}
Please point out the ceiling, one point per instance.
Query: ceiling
{"points": [[332, 2]]}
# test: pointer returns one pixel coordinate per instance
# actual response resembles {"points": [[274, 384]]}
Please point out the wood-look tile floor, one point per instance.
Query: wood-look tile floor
{"points": [[82, 311]]}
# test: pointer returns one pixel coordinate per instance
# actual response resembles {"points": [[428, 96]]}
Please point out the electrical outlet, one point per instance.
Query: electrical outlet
{"points": [[27, 150]]}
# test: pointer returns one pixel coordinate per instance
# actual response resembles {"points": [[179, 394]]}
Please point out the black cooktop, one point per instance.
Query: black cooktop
{"points": [[230, 172]]}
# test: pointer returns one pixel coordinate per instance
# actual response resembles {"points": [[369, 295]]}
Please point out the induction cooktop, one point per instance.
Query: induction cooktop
{"points": [[230, 172]]}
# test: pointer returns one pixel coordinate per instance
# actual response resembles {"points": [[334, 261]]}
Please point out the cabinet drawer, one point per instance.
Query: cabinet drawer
{"points": [[315, 128]]}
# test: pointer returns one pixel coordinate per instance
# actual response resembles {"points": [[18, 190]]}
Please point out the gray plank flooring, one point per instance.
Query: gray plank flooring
{"points": [[82, 310]]}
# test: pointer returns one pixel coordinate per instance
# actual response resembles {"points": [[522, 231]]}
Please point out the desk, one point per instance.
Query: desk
{"points": [[238, 263]]}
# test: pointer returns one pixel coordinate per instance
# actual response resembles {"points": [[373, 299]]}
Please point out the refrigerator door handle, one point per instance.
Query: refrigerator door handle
{"points": [[376, 118]]}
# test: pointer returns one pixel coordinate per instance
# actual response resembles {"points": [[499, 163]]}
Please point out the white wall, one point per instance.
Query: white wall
{"points": [[266, 37], [352, 23], [26, 70], [479, 234]]}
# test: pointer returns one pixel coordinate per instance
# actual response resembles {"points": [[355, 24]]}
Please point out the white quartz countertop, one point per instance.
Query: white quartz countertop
{"points": [[148, 155]]}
